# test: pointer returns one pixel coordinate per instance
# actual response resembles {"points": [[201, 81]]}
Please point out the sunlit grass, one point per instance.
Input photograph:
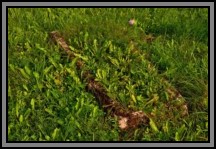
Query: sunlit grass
{"points": [[47, 99]]}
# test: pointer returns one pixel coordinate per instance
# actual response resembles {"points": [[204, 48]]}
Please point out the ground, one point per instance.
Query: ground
{"points": [[158, 65]]}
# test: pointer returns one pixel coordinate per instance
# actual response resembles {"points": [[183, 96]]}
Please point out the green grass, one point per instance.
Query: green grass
{"points": [[47, 99]]}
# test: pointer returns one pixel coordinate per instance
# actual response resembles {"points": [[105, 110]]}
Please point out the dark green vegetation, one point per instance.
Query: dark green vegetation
{"points": [[47, 99]]}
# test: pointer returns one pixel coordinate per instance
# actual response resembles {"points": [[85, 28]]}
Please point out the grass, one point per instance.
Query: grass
{"points": [[47, 100]]}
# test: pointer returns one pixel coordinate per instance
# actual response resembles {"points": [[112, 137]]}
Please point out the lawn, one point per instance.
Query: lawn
{"points": [[139, 65]]}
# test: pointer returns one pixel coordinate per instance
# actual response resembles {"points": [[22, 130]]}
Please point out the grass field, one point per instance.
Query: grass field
{"points": [[47, 100]]}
